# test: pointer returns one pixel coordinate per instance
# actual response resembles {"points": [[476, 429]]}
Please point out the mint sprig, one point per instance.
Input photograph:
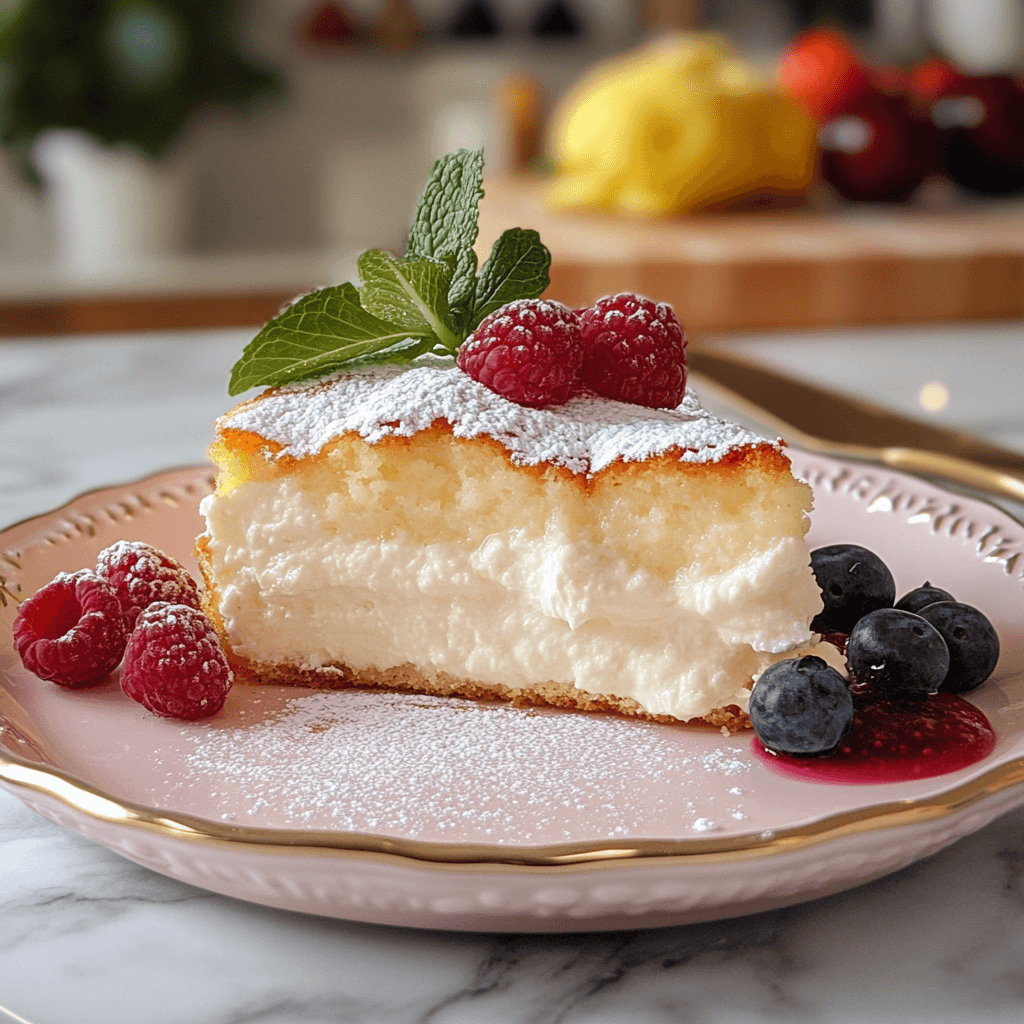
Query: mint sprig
{"points": [[445, 222], [412, 293], [428, 301]]}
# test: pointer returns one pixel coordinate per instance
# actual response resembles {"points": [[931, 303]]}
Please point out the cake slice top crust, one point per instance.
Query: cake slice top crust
{"points": [[584, 436]]}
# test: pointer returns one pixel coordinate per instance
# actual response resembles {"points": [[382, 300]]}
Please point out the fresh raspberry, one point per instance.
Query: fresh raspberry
{"points": [[529, 352], [634, 351], [71, 631], [174, 664], [141, 574]]}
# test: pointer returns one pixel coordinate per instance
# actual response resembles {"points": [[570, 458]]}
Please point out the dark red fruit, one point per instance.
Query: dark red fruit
{"points": [[982, 120], [931, 79], [174, 664], [71, 632], [141, 574], [328, 24], [890, 79], [878, 149], [634, 351], [823, 71], [528, 351]]}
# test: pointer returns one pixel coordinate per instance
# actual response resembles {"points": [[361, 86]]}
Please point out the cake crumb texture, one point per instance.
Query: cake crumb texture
{"points": [[435, 488]]}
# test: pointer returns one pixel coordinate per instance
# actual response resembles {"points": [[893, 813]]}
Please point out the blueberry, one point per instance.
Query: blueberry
{"points": [[801, 706], [853, 582], [921, 597], [972, 641], [899, 653]]}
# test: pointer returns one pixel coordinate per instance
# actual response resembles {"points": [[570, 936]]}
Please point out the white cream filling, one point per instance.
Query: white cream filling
{"points": [[515, 610]]}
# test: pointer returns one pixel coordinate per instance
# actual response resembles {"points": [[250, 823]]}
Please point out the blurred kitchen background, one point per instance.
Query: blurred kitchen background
{"points": [[177, 163]]}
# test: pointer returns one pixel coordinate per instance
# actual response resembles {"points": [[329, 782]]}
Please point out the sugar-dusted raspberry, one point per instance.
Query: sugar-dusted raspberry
{"points": [[141, 574], [174, 664], [71, 632], [529, 352], [634, 350]]}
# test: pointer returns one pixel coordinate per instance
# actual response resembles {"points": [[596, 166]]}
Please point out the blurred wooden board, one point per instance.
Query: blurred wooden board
{"points": [[161, 292], [859, 264], [110, 314]]}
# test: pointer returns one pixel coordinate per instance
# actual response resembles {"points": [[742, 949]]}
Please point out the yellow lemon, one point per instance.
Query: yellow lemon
{"points": [[679, 125]]}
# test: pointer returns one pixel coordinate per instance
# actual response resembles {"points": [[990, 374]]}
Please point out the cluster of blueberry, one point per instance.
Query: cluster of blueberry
{"points": [[924, 643]]}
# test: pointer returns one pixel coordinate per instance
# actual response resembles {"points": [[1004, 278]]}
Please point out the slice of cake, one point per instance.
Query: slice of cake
{"points": [[406, 528]]}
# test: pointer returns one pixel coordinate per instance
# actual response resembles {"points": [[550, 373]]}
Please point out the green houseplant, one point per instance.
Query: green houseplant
{"points": [[122, 72]]}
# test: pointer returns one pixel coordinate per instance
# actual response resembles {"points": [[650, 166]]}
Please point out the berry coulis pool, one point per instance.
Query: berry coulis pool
{"points": [[896, 741], [893, 740]]}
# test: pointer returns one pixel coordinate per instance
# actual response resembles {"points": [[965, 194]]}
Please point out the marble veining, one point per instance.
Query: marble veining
{"points": [[86, 936], [90, 937]]}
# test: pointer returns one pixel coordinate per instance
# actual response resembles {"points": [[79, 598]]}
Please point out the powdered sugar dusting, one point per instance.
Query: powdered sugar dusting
{"points": [[446, 769], [585, 435]]}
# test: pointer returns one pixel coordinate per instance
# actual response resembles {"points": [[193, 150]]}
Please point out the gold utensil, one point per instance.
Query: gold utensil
{"points": [[822, 420]]}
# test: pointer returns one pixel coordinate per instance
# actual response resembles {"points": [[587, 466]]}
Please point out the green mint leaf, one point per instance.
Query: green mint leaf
{"points": [[406, 353], [320, 333], [516, 269], [410, 292], [460, 292], [445, 222]]}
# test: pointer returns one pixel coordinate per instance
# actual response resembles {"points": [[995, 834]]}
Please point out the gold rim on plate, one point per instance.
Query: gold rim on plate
{"points": [[19, 773]]}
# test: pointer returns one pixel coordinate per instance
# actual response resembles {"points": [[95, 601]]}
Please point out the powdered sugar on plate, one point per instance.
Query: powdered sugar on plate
{"points": [[446, 769], [584, 435]]}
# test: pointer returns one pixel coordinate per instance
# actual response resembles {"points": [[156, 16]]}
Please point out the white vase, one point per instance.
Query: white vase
{"points": [[110, 205], [982, 37]]}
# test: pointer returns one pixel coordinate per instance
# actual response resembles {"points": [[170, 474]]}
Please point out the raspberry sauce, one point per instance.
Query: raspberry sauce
{"points": [[895, 741], [835, 639]]}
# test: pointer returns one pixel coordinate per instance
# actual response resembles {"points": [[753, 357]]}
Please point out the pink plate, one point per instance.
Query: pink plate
{"points": [[447, 814]]}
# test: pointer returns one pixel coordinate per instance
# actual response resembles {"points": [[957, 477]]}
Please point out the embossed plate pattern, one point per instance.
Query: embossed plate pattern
{"points": [[446, 815]]}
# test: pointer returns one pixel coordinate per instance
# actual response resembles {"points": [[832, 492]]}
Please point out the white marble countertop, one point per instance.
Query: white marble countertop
{"points": [[86, 936]]}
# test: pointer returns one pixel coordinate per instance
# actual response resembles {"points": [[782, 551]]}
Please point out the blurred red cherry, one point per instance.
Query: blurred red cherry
{"points": [[982, 122], [821, 70], [931, 79], [878, 149], [327, 24], [886, 78]]}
